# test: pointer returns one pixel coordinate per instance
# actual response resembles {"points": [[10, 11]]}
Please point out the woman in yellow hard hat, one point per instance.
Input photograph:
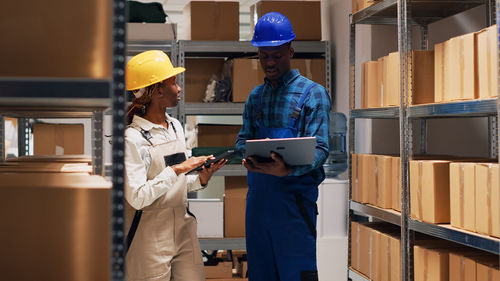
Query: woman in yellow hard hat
{"points": [[165, 245]]}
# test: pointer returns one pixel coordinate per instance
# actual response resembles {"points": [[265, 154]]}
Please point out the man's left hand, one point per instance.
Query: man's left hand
{"points": [[277, 167]]}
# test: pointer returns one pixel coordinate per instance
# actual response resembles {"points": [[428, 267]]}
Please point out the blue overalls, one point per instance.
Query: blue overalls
{"points": [[281, 217]]}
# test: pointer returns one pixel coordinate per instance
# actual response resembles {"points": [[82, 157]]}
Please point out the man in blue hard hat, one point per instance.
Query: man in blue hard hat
{"points": [[281, 202]]}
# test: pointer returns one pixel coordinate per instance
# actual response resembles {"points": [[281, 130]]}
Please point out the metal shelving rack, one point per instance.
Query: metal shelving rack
{"points": [[224, 49], [24, 98], [406, 14]]}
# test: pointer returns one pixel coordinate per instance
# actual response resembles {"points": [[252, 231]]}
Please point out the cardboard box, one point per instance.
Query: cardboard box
{"points": [[421, 82], [439, 72], [384, 179], [370, 96], [463, 73], [487, 194], [430, 190], [487, 66], [391, 79], [248, 73], [58, 139], [63, 39], [217, 135], [396, 184], [235, 194], [221, 270], [462, 267], [395, 270], [209, 215], [369, 179], [355, 186], [199, 73], [151, 31], [366, 250], [431, 264], [355, 246], [212, 20], [462, 195], [241, 267], [358, 5], [306, 25], [62, 230], [380, 81]]}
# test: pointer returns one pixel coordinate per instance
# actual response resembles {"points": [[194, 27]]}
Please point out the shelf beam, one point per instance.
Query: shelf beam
{"points": [[381, 214], [355, 276], [463, 237]]}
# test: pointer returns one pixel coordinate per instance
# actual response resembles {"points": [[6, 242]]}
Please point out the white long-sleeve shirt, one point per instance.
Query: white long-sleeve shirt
{"points": [[139, 191]]}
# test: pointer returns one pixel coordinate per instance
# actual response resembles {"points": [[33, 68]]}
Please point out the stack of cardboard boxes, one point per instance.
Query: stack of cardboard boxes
{"points": [[461, 68], [56, 219], [203, 21]]}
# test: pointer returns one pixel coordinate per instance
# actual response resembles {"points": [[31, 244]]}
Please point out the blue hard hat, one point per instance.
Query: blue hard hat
{"points": [[272, 29]]}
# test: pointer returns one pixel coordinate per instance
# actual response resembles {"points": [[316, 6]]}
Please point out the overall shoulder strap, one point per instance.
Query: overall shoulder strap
{"points": [[145, 134], [298, 108]]}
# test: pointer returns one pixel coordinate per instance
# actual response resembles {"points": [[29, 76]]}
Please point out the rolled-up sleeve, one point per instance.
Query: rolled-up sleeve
{"points": [[139, 191]]}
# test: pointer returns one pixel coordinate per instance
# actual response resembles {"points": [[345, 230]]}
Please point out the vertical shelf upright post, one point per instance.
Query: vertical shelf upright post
{"points": [[118, 155], [23, 136], [97, 129], [3, 152], [182, 79], [405, 131], [352, 123]]}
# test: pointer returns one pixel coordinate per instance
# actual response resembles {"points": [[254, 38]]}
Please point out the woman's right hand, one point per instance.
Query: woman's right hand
{"points": [[190, 163]]}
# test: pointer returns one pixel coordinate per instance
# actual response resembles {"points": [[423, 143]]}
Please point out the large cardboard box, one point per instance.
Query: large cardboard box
{"points": [[60, 39], [487, 203], [370, 96], [487, 63], [223, 269], [306, 25], [209, 215], [462, 195], [248, 73], [57, 225], [217, 135], [396, 184], [430, 190], [199, 73], [384, 179], [211, 20], [431, 264], [58, 139], [235, 194]]}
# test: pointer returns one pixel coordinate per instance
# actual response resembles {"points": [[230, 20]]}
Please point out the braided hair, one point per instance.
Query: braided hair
{"points": [[140, 104]]}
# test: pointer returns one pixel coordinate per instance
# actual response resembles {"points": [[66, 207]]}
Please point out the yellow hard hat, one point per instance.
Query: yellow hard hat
{"points": [[148, 68]]}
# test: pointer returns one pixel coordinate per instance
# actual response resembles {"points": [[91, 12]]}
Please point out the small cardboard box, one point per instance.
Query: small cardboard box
{"points": [[462, 195], [391, 79], [487, 66], [431, 264], [369, 179], [221, 270], [365, 249], [150, 31], [380, 81], [430, 190], [248, 73], [235, 193], [384, 179], [58, 139], [355, 243], [209, 215], [212, 20], [439, 72], [396, 184], [487, 194], [395, 272], [217, 135], [370, 96], [487, 272], [306, 25], [199, 73], [355, 186]]}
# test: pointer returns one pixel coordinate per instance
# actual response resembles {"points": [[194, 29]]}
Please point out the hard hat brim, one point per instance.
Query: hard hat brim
{"points": [[272, 43], [174, 72]]}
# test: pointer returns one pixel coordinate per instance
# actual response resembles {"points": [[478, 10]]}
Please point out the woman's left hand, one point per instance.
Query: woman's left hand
{"points": [[207, 173]]}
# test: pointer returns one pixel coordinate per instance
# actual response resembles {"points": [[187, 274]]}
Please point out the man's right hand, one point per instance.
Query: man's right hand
{"points": [[190, 163]]}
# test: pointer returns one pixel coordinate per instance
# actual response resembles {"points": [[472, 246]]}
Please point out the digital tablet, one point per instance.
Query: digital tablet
{"points": [[294, 151], [226, 155]]}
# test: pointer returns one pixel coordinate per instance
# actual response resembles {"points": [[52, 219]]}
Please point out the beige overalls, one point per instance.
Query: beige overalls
{"points": [[165, 246]]}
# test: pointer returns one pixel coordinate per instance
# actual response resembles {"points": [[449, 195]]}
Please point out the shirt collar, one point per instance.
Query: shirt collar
{"points": [[146, 124], [286, 78]]}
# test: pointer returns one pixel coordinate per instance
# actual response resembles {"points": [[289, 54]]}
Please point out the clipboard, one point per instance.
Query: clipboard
{"points": [[294, 151]]}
